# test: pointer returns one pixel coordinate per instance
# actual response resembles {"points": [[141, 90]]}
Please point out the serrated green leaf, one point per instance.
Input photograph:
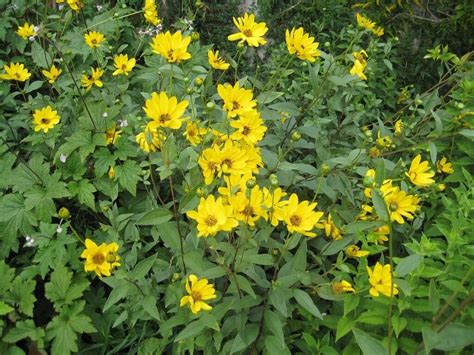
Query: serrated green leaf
{"points": [[84, 190], [155, 217], [61, 290], [128, 175]]}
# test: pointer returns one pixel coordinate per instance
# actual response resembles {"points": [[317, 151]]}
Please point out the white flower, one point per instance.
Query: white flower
{"points": [[61, 6], [105, 114], [63, 158], [36, 29], [59, 229], [123, 123], [31, 38], [99, 7], [29, 241]]}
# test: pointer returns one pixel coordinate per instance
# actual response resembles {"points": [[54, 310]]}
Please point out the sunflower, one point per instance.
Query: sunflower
{"points": [[215, 61], [123, 65], [52, 74], [237, 100], [26, 31], [45, 119], [250, 128], [15, 71], [173, 47], [199, 290], [250, 31], [420, 173], [94, 39], [165, 111], [300, 217], [302, 45]]}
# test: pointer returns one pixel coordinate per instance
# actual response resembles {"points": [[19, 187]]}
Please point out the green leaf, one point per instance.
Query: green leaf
{"points": [[149, 305], [299, 262], [64, 329], [6, 277], [367, 344], [192, 329], [128, 175], [344, 326], [25, 329], [40, 56], [155, 217], [84, 190], [268, 96], [278, 300], [35, 85], [5, 308], [259, 259], [21, 292], [273, 323], [453, 338], [407, 265], [379, 204], [307, 303], [336, 246], [143, 267], [61, 290], [119, 292]]}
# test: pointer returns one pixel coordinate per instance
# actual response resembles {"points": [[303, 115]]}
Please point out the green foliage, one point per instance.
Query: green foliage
{"points": [[276, 291]]}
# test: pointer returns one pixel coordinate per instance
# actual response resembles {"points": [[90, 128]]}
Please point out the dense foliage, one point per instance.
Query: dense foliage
{"points": [[285, 194]]}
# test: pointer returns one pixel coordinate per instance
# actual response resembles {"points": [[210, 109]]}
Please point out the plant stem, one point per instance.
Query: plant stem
{"points": [[176, 216]]}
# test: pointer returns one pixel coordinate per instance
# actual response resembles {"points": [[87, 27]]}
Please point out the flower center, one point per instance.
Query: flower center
{"points": [[211, 221], [44, 121], [124, 66], [248, 33], [17, 75], [170, 54], [248, 211], [94, 41], [295, 220], [98, 259], [235, 105], [393, 206], [196, 296], [165, 117], [246, 130], [227, 162]]}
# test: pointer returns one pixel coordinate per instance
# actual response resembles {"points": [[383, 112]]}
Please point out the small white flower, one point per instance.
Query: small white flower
{"points": [[63, 158], [31, 38], [36, 29], [99, 7], [29, 241], [105, 114], [61, 6], [123, 123], [59, 229]]}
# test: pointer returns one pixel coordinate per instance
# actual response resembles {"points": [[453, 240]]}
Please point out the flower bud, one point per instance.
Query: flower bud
{"points": [[111, 258], [176, 276], [368, 181], [189, 91], [64, 213], [325, 169], [211, 105], [195, 36], [273, 180], [198, 81], [240, 46], [441, 187], [201, 191], [251, 182], [327, 44], [295, 136], [186, 79], [418, 102], [459, 105]]}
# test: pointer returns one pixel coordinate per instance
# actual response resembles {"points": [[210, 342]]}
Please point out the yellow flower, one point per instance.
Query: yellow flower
{"points": [[173, 47], [112, 135], [250, 31], [26, 30], [52, 74], [331, 229], [150, 12], [359, 64], [369, 180], [237, 100], [102, 259], [398, 127], [45, 119], [420, 173], [401, 205], [234, 185], [381, 234], [366, 212], [339, 287], [165, 111], [150, 139], [444, 167], [250, 128], [194, 133], [383, 142], [216, 61], [209, 162], [233, 159], [367, 24], [94, 39], [123, 64], [212, 216], [276, 207], [248, 210], [76, 5], [302, 45], [111, 173], [353, 251], [15, 71], [381, 280], [301, 217], [198, 291], [93, 79]]}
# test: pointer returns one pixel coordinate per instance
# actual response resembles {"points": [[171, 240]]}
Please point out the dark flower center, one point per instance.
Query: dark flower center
{"points": [[295, 220], [211, 221], [98, 259]]}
